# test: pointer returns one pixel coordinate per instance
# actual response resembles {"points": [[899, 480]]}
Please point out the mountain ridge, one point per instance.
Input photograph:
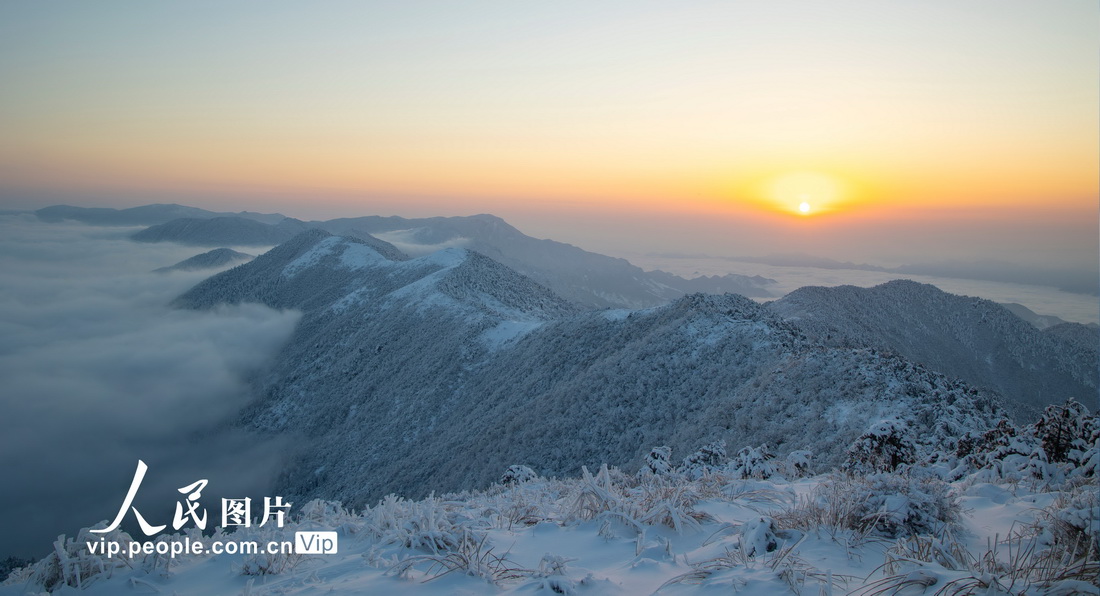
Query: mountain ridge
{"points": [[437, 372]]}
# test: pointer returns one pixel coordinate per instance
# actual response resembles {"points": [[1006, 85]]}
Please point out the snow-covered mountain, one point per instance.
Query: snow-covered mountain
{"points": [[438, 372], [146, 215], [587, 278], [219, 257], [972, 339]]}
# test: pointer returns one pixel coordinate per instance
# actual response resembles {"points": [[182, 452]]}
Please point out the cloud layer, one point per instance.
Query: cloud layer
{"points": [[98, 372]]}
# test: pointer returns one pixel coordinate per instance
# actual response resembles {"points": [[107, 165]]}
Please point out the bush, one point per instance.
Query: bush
{"points": [[797, 464], [707, 460], [885, 446], [883, 504], [659, 460], [753, 462], [517, 475], [1063, 429]]}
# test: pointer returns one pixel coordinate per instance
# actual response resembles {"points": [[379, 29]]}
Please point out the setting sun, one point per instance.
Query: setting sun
{"points": [[802, 192]]}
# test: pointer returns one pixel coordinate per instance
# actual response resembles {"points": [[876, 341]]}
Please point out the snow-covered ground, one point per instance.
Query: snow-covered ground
{"points": [[613, 533]]}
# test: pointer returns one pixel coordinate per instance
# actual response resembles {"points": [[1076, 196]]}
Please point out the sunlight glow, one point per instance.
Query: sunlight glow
{"points": [[804, 192]]}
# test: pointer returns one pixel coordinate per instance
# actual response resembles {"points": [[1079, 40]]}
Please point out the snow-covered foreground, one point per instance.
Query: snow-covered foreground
{"points": [[1001, 511], [612, 533]]}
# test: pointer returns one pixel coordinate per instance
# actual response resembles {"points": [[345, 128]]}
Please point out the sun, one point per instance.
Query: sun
{"points": [[804, 193]]}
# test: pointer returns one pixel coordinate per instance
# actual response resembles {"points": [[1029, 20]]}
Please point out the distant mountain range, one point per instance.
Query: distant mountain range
{"points": [[437, 372], [146, 215], [1048, 275], [214, 231], [589, 279]]}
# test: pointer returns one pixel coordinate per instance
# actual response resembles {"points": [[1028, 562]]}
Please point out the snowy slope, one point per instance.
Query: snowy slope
{"points": [[437, 372], [972, 339], [609, 533]]}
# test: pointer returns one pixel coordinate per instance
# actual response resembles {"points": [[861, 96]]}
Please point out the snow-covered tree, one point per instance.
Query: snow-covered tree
{"points": [[886, 445], [753, 462], [659, 460], [517, 474], [707, 459]]}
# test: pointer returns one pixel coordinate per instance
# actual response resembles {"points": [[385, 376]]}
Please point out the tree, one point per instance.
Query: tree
{"points": [[885, 446]]}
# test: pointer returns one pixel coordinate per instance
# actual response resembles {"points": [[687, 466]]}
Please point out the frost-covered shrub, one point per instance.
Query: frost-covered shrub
{"points": [[797, 464], [517, 474], [758, 536], [659, 460], [1086, 456], [886, 445], [708, 459], [594, 495], [429, 524], [1063, 444], [881, 504], [265, 562], [902, 505], [667, 501], [753, 462], [976, 445], [71, 564], [1061, 429], [1070, 527]]}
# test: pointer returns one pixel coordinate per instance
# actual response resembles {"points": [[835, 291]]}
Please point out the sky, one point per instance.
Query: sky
{"points": [[931, 130]]}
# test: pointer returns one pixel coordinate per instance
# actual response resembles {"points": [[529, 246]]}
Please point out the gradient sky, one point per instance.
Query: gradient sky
{"points": [[914, 130]]}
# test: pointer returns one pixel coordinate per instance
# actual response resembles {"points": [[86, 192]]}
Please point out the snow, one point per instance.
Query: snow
{"points": [[313, 256], [508, 331], [743, 540]]}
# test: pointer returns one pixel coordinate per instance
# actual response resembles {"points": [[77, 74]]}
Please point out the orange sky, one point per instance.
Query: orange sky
{"points": [[874, 114]]}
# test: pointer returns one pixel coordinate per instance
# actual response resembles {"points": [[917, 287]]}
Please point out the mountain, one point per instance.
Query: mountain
{"points": [[436, 373], [146, 215], [1025, 313], [731, 283], [1067, 279], [219, 257], [1087, 337], [235, 231], [587, 278], [975, 340]]}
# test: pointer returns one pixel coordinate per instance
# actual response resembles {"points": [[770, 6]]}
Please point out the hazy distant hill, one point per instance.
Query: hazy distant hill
{"points": [[142, 216], [973, 339], [1047, 274], [236, 231], [589, 279], [438, 372], [219, 257], [1038, 320]]}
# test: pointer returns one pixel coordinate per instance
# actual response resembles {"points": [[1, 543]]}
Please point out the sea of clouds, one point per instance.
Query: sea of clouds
{"points": [[99, 371]]}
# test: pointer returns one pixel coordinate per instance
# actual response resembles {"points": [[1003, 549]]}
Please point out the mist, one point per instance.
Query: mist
{"points": [[99, 372]]}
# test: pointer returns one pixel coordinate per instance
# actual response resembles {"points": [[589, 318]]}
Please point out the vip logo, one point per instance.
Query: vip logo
{"points": [[315, 543]]}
